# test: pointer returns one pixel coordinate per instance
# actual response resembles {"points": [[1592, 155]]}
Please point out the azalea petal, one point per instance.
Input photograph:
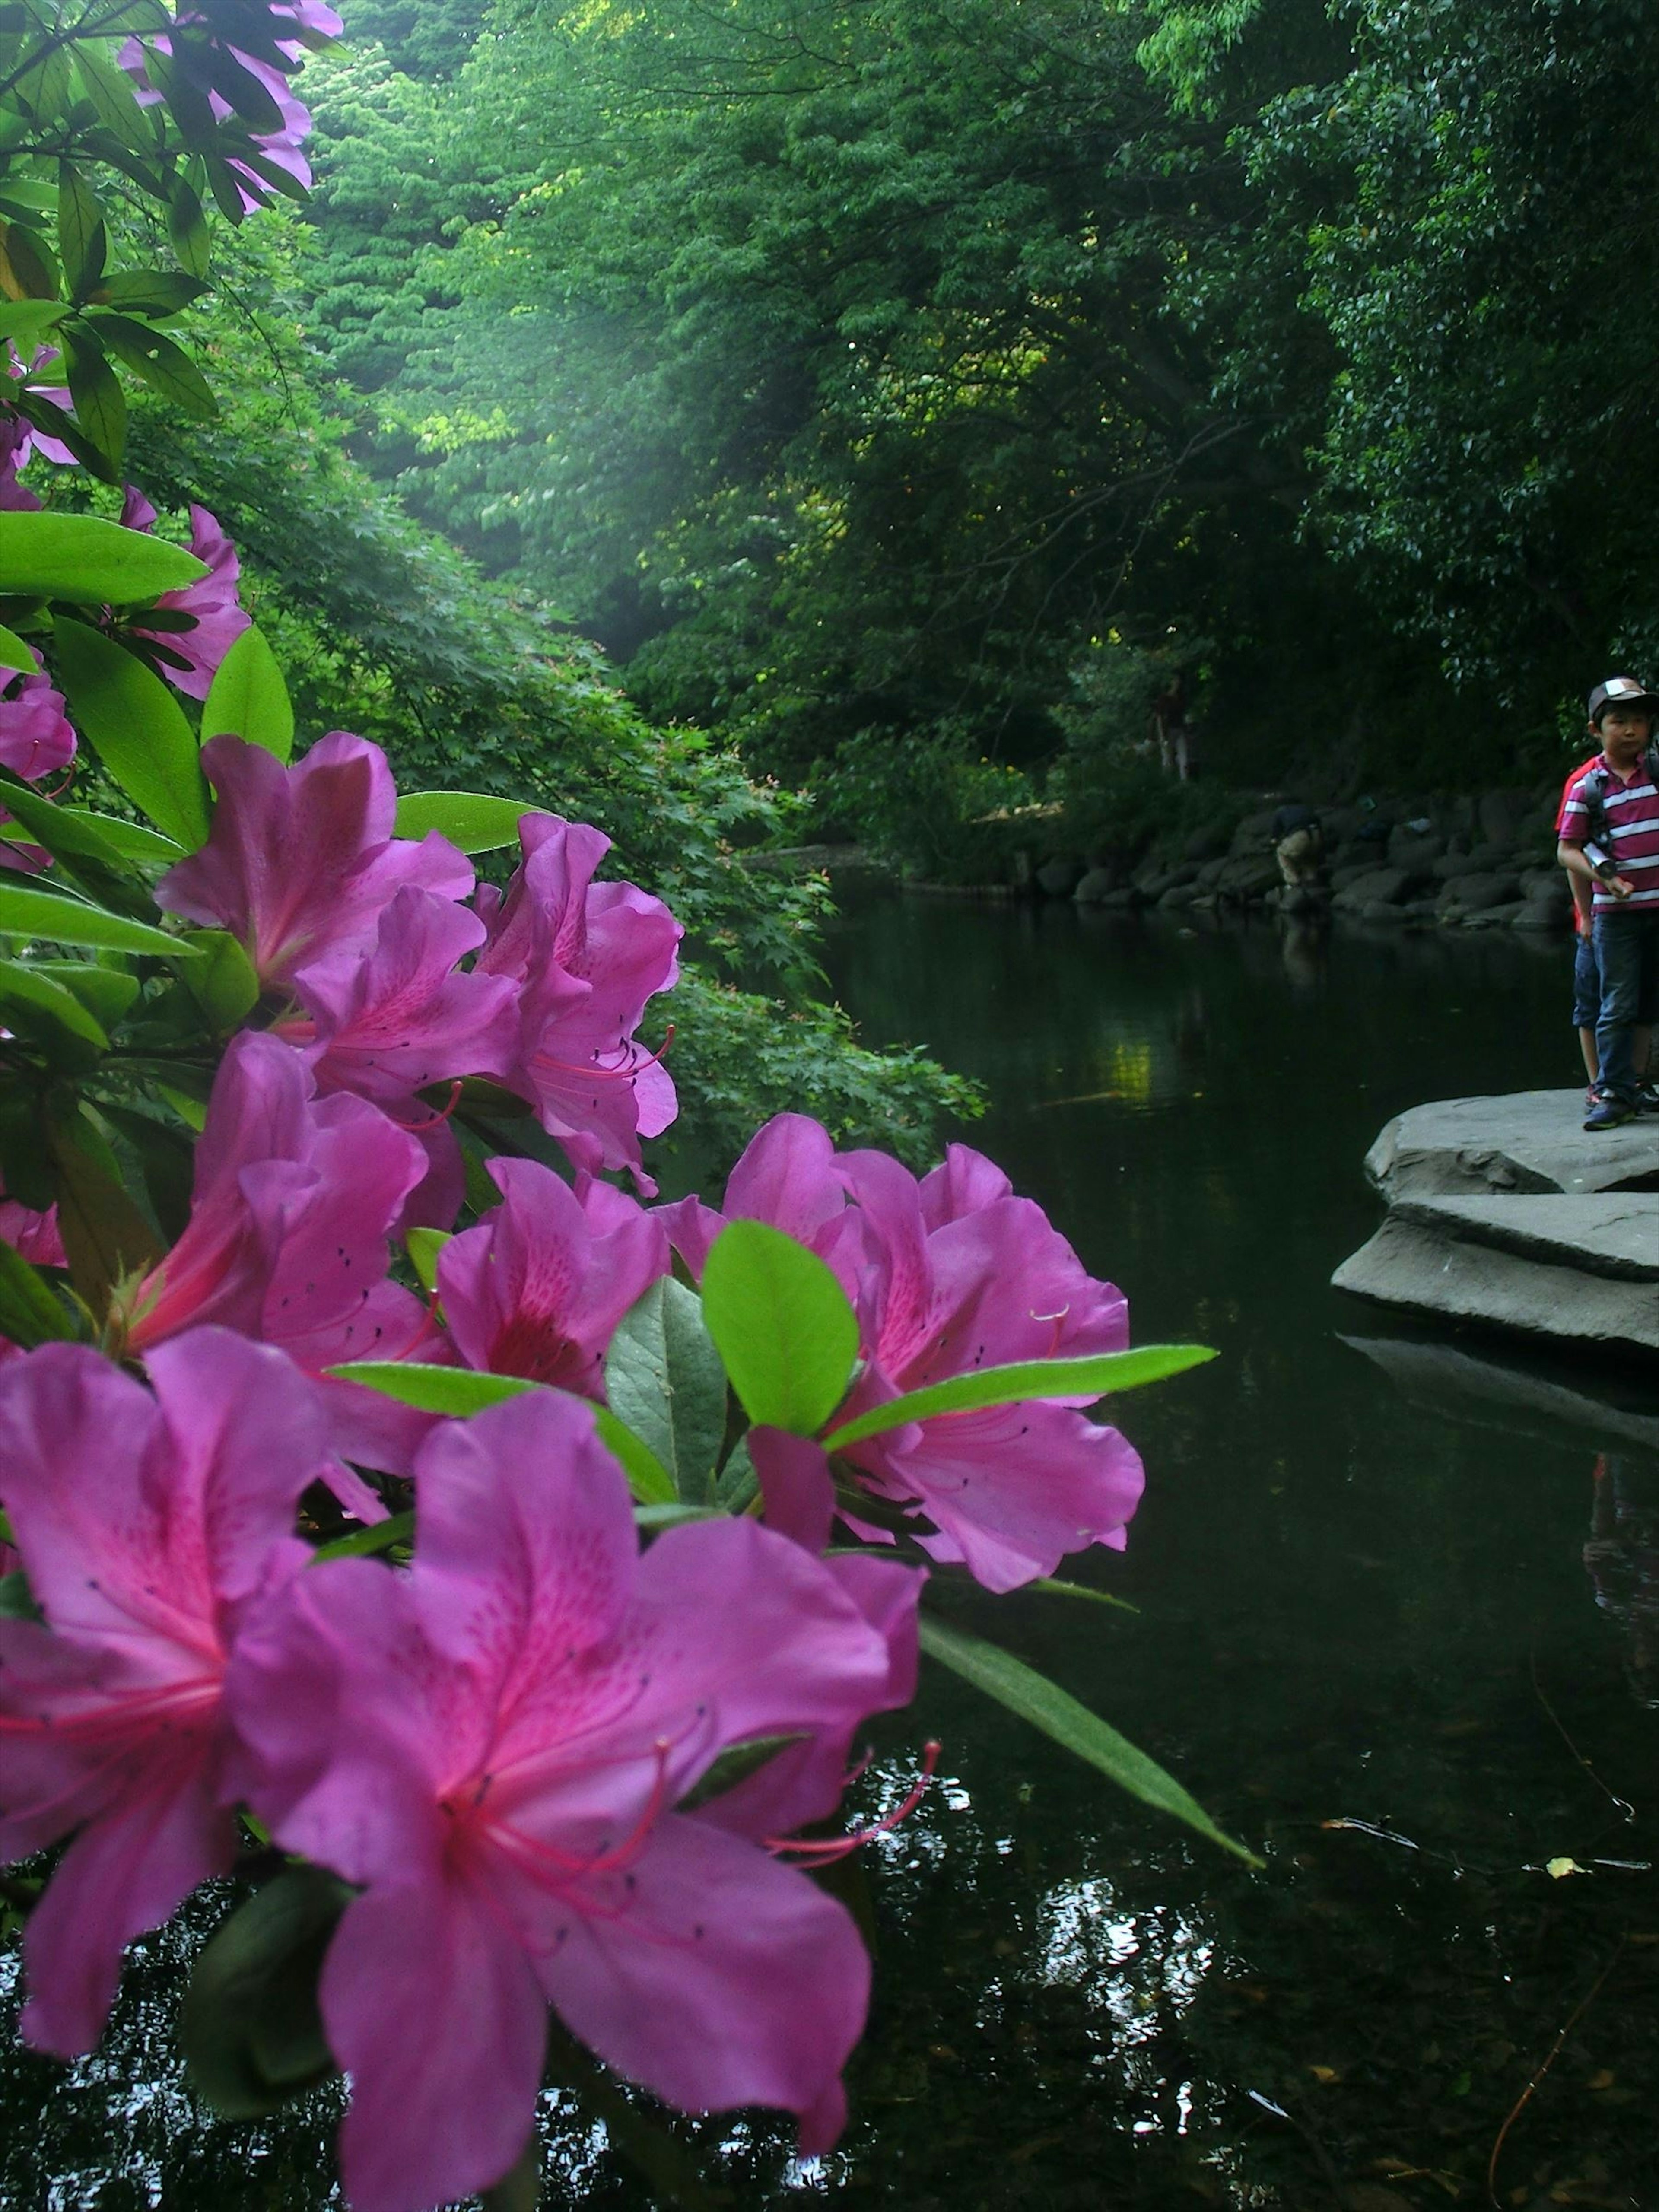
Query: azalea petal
{"points": [[431, 2005], [711, 1973]]}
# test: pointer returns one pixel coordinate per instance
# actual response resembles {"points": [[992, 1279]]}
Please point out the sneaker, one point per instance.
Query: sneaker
{"points": [[1647, 1098], [1609, 1112]]}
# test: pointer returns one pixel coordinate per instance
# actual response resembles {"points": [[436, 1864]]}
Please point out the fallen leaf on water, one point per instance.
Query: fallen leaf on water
{"points": [[1558, 1868], [1324, 2072], [1604, 2080]]}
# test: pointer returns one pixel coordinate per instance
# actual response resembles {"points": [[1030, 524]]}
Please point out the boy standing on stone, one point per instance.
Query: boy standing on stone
{"points": [[1612, 806]]}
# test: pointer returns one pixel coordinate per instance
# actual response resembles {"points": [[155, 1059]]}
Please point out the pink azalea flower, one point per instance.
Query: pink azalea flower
{"points": [[538, 1288], [490, 1746], [963, 1275], [587, 957], [389, 1021], [947, 1275], [294, 1200], [301, 862], [146, 1524], [35, 741], [33, 1236], [16, 437], [211, 599]]}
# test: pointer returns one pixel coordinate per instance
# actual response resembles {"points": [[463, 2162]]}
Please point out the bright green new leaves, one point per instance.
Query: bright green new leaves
{"points": [[14, 653], [38, 914], [249, 699], [424, 1247], [784, 1328], [471, 819], [133, 720], [1059, 1715], [37, 1006], [131, 839], [76, 556], [458, 1393], [664, 1378], [1082, 1379]]}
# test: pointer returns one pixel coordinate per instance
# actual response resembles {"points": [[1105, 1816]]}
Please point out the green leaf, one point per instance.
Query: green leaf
{"points": [[36, 1005], [149, 292], [457, 1393], [249, 2027], [113, 96], [423, 1247], [187, 229], [1059, 1715], [101, 405], [131, 840], [160, 360], [27, 267], [733, 1765], [17, 1599], [45, 914], [664, 1378], [785, 1330], [14, 653], [471, 819], [1084, 1379], [222, 982], [1053, 1588], [109, 992], [78, 556], [647, 1479], [365, 1543], [142, 737], [82, 241], [249, 699], [98, 866], [26, 322], [104, 1236], [29, 1312]]}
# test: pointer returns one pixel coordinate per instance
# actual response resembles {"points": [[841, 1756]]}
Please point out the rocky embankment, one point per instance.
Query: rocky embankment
{"points": [[1474, 862], [1503, 1213]]}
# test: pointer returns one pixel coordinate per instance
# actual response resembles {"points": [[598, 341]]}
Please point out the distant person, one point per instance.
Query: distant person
{"points": [[1175, 750], [1299, 845], [1586, 984], [1609, 833]]}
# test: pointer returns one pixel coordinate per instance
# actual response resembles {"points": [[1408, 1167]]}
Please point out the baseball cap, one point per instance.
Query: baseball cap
{"points": [[1621, 691]]}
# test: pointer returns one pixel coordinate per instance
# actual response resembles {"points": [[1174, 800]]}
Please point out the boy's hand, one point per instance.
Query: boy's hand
{"points": [[1618, 885]]}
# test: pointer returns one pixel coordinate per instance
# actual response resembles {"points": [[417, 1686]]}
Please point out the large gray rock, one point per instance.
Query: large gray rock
{"points": [[1252, 876], [1058, 879], [1469, 893], [1582, 1271], [1095, 885], [1505, 915], [1530, 1141], [1376, 887]]}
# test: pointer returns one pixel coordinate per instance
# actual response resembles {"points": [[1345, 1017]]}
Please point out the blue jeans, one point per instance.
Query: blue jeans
{"points": [[1627, 955]]}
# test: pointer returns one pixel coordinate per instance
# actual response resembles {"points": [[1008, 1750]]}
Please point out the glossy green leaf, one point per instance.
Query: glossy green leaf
{"points": [[457, 1393], [14, 653], [424, 1246], [1049, 1587], [28, 268], [113, 95], [82, 241], [664, 1378], [471, 819], [1059, 1715], [248, 2027], [785, 1331], [1082, 1379], [34, 1003], [734, 1764], [104, 1235], [79, 556], [151, 291], [17, 1599], [187, 229], [46, 915], [367, 1543], [131, 839], [222, 981], [249, 699], [107, 991], [162, 362], [30, 1313], [99, 868], [26, 322], [101, 405], [141, 735]]}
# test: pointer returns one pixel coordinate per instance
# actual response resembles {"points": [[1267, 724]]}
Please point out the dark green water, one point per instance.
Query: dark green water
{"points": [[1393, 1595]]}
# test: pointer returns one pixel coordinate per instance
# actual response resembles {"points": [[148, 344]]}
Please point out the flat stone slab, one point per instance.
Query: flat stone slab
{"points": [[1613, 1233], [1425, 1266], [1530, 1141]]}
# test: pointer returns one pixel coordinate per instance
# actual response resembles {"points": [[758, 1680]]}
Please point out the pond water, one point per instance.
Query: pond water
{"points": [[1398, 1629]]}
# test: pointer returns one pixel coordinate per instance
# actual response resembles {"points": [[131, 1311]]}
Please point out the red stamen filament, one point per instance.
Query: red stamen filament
{"points": [[598, 1070], [420, 1128], [538, 1858], [824, 1852], [429, 1324]]}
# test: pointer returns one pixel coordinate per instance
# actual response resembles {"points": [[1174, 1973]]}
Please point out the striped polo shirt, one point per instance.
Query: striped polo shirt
{"points": [[1631, 812]]}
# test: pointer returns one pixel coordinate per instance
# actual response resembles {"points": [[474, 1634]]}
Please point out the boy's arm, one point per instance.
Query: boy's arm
{"points": [[1581, 869]]}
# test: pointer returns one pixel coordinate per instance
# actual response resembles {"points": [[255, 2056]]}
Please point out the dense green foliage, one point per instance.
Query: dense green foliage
{"points": [[870, 375]]}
